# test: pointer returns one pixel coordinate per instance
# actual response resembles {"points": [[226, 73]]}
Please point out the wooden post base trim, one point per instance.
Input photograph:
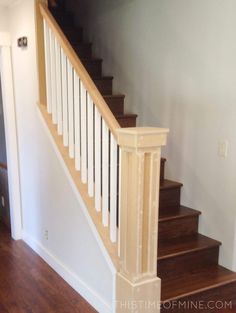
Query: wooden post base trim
{"points": [[142, 297]]}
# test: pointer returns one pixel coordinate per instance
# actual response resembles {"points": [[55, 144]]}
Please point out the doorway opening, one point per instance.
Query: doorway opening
{"points": [[10, 127], [4, 192]]}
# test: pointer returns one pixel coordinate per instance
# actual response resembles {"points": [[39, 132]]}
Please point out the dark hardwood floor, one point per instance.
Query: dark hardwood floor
{"points": [[29, 285]]}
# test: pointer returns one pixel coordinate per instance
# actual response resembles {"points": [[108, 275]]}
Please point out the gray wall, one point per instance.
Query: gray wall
{"points": [[176, 63]]}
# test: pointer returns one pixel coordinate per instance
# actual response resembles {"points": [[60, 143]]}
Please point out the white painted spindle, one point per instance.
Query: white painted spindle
{"points": [[98, 175], [53, 76], [47, 66], [64, 99], [83, 134], [77, 121], [84, 131], [90, 147], [70, 89], [105, 174], [59, 88], [113, 188]]}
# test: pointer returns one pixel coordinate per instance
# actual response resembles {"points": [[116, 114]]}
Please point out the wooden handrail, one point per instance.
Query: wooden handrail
{"points": [[96, 96], [133, 245]]}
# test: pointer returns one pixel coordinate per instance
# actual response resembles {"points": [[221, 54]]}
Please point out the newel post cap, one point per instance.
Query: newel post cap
{"points": [[142, 137]]}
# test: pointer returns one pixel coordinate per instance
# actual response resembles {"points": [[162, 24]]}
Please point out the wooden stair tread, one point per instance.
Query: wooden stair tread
{"points": [[169, 184], [113, 96], [93, 60], [71, 28], [179, 246], [194, 282], [102, 78], [84, 43], [126, 115], [177, 213]]}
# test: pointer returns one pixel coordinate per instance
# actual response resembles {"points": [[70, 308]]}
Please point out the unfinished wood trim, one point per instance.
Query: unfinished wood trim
{"points": [[137, 284], [82, 188], [138, 297], [96, 96], [40, 52], [139, 198]]}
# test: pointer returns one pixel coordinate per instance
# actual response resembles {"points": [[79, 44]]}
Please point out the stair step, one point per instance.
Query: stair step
{"points": [[104, 84], [64, 19], [74, 35], [115, 103], [179, 246], [196, 281], [84, 50], [177, 222], [219, 299], [93, 66], [170, 184], [177, 212], [127, 120], [178, 255], [169, 194]]}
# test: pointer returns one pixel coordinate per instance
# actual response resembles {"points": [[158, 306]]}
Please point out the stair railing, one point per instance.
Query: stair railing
{"points": [[92, 144]]}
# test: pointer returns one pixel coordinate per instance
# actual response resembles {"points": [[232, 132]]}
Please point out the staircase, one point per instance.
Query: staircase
{"points": [[188, 261], [192, 280], [94, 67]]}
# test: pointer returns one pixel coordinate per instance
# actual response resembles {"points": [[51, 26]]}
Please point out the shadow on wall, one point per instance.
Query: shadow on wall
{"points": [[83, 8]]}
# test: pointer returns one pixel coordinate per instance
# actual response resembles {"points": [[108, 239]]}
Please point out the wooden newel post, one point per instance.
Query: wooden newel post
{"points": [[138, 288]]}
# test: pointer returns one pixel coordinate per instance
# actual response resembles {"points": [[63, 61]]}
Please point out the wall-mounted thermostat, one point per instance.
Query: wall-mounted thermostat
{"points": [[22, 42]]}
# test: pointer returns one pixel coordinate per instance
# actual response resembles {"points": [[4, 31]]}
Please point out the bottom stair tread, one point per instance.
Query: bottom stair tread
{"points": [[195, 282]]}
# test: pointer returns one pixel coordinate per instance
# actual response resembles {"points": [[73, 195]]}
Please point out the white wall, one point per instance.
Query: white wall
{"points": [[48, 201], [176, 63], [3, 18]]}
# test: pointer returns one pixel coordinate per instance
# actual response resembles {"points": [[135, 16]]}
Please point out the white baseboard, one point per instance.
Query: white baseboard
{"points": [[71, 278]]}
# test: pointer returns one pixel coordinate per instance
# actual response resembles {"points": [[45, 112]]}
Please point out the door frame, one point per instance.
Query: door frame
{"points": [[9, 109]]}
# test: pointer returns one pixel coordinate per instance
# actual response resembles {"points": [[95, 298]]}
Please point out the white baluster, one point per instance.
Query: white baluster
{"points": [[90, 147], [47, 66], [83, 134], [98, 176], [105, 173], [77, 121], [113, 188], [59, 88], [64, 99], [71, 110], [53, 77]]}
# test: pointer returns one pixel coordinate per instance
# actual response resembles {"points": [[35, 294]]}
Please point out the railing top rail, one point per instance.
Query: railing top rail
{"points": [[94, 93]]}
